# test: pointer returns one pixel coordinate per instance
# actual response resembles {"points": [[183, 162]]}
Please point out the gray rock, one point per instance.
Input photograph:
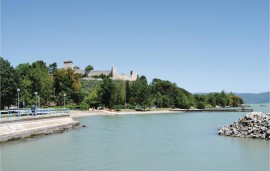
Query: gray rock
{"points": [[252, 125]]}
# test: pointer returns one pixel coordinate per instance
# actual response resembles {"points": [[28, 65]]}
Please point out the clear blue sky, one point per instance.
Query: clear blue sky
{"points": [[202, 45]]}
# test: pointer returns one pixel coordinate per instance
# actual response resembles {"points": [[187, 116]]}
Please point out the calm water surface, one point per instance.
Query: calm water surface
{"points": [[161, 142]]}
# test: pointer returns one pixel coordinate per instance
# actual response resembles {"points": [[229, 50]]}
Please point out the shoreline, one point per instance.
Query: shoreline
{"points": [[78, 114]]}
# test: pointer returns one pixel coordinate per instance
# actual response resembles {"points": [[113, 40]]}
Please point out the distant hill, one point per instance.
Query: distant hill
{"points": [[254, 98]]}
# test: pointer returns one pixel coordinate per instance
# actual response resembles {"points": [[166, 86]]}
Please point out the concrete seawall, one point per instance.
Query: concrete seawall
{"points": [[29, 127]]}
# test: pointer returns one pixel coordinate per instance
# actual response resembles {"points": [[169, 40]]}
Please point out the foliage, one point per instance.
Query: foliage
{"points": [[140, 92], [235, 101], [118, 95], [9, 83], [52, 67], [84, 106], [106, 90], [201, 105], [90, 85], [89, 68], [93, 99], [128, 91], [35, 78], [218, 99], [167, 94], [67, 81]]}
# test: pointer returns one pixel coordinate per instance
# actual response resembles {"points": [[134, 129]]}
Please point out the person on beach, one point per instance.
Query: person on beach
{"points": [[33, 109]]}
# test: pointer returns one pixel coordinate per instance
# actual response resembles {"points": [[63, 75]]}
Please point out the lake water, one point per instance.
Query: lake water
{"points": [[160, 142]]}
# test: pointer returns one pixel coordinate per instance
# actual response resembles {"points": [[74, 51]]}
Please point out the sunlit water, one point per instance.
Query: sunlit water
{"points": [[160, 142]]}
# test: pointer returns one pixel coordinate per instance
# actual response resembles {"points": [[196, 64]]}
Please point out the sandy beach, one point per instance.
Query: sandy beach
{"points": [[77, 113]]}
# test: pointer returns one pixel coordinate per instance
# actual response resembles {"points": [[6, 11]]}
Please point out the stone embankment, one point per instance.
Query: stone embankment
{"points": [[20, 129], [252, 125]]}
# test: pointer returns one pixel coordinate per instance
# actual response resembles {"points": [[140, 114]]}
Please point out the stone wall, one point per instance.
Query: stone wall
{"points": [[132, 77], [252, 125], [79, 71], [124, 77], [98, 73]]}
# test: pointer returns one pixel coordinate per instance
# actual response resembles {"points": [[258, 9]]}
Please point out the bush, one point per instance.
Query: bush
{"points": [[84, 106], [118, 107], [71, 107], [201, 105], [129, 106]]}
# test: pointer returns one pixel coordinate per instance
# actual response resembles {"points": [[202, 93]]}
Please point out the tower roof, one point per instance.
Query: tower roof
{"points": [[68, 61]]}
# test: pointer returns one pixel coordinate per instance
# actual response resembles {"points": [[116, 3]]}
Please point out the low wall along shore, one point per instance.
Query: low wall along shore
{"points": [[252, 125], [30, 127]]}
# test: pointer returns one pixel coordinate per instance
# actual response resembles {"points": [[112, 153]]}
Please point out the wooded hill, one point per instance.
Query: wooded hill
{"points": [[51, 83]]}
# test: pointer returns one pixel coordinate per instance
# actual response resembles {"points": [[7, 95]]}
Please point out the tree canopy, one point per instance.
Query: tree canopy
{"points": [[9, 83], [89, 68]]}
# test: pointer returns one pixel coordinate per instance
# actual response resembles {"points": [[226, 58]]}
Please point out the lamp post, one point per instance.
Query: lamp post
{"points": [[36, 98], [18, 90], [65, 100]]}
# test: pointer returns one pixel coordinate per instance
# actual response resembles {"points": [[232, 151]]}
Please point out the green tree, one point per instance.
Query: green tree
{"points": [[222, 99], [170, 95], [67, 81], [201, 105], [158, 99], [89, 68], [8, 83], [106, 89], [211, 100], [128, 92], [141, 92], [182, 100], [118, 95], [234, 101], [42, 82], [25, 84], [93, 98], [52, 67]]}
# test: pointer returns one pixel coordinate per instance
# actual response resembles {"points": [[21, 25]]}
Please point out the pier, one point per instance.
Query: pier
{"points": [[22, 124]]}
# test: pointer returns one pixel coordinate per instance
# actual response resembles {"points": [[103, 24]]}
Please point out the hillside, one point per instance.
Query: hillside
{"points": [[254, 98]]}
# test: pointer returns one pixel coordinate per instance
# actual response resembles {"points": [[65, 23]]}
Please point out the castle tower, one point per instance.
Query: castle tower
{"points": [[114, 72], [134, 75], [68, 64]]}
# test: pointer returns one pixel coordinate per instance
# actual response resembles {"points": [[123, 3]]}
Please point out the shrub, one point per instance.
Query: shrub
{"points": [[71, 107], [84, 106], [201, 105], [118, 107]]}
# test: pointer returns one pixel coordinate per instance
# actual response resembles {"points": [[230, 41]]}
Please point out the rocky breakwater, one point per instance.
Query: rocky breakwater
{"points": [[252, 125]]}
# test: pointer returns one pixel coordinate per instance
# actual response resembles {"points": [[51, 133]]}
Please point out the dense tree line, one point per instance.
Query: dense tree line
{"points": [[52, 83], [217, 99]]}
